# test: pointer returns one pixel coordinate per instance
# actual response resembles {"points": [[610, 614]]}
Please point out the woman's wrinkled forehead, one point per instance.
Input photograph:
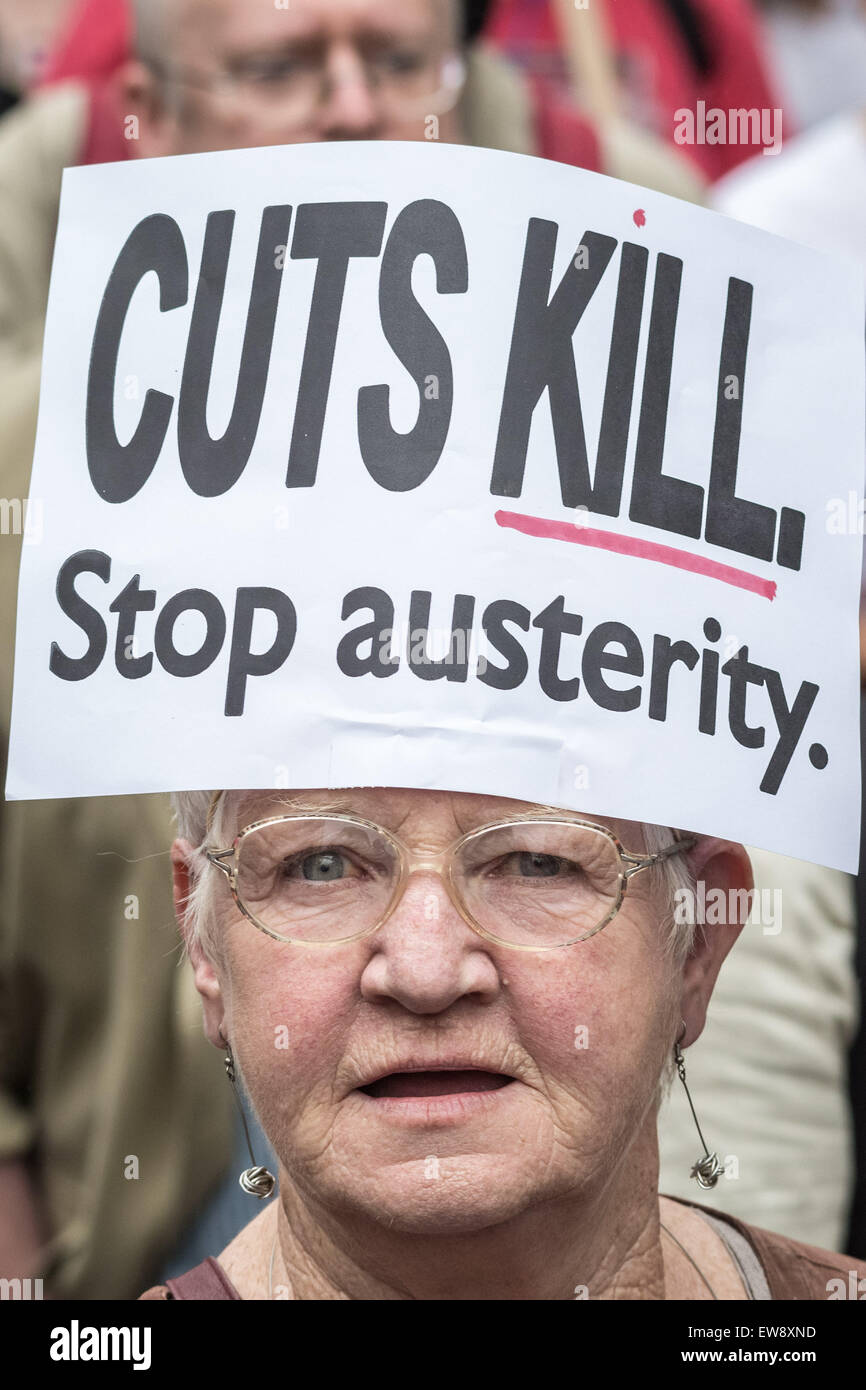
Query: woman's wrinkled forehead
{"points": [[402, 810]]}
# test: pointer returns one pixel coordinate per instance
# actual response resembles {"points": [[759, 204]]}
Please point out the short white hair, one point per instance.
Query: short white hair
{"points": [[674, 876]]}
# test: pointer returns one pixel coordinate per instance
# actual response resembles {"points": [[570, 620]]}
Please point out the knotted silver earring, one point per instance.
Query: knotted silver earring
{"points": [[708, 1169], [255, 1180]]}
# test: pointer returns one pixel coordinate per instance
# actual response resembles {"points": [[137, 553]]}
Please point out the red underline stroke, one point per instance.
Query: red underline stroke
{"points": [[640, 549]]}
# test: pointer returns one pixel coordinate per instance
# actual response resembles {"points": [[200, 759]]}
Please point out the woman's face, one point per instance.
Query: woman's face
{"points": [[427, 1078]]}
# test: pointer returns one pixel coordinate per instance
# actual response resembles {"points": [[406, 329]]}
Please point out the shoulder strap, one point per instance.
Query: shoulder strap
{"points": [[207, 1281], [743, 1254], [793, 1270]]}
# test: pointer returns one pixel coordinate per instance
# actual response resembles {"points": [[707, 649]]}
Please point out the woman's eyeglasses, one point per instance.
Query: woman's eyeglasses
{"points": [[535, 884]]}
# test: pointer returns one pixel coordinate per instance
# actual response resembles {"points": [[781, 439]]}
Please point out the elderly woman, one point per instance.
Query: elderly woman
{"points": [[454, 1015]]}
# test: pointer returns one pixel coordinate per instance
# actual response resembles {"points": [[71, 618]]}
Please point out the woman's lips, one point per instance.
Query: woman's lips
{"points": [[402, 1085]]}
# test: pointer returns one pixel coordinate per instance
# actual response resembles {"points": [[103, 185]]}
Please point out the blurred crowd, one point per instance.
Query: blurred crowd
{"points": [[119, 1148]]}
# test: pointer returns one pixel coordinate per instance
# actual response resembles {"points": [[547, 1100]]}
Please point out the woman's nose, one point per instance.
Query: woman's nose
{"points": [[425, 956]]}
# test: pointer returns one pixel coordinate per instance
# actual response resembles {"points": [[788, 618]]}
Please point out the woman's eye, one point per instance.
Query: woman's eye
{"points": [[531, 864], [534, 865], [320, 866], [324, 866]]}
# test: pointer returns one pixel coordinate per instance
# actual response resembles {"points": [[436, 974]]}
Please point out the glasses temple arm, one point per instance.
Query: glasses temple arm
{"points": [[645, 861], [675, 847]]}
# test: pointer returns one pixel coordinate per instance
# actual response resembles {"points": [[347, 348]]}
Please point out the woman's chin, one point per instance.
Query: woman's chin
{"points": [[421, 1213], [438, 1196]]}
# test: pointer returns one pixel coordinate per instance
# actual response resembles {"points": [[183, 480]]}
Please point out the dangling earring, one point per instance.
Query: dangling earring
{"points": [[708, 1169], [256, 1180]]}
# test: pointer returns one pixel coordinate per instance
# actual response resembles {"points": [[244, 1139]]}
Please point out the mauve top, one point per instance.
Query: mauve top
{"points": [[772, 1267]]}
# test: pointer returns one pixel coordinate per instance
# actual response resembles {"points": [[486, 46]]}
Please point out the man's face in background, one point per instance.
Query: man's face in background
{"points": [[231, 74]]}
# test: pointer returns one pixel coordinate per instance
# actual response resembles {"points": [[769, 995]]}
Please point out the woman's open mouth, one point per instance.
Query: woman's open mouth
{"points": [[403, 1085], [436, 1098]]}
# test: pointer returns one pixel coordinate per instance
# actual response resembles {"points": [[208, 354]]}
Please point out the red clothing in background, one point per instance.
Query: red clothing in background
{"points": [[659, 70], [95, 43]]}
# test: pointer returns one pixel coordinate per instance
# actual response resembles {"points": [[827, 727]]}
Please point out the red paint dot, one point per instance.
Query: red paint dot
{"points": [[639, 217]]}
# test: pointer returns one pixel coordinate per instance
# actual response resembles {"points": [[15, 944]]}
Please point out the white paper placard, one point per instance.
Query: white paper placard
{"points": [[416, 465]]}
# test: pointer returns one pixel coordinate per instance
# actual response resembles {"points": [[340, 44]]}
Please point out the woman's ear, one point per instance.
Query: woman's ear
{"points": [[720, 909], [204, 972]]}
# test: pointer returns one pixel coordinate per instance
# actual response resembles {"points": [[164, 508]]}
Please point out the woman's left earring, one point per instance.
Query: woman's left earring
{"points": [[708, 1169], [256, 1180]]}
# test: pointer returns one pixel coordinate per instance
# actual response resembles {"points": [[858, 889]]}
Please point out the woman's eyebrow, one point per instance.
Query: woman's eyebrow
{"points": [[313, 806], [259, 806]]}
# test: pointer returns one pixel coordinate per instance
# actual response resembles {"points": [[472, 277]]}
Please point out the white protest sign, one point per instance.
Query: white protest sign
{"points": [[409, 465]]}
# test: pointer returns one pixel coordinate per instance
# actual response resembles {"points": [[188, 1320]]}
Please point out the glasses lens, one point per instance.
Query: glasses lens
{"points": [[290, 89], [315, 879], [539, 884]]}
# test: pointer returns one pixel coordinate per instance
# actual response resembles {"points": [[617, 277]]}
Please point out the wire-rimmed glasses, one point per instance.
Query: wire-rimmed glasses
{"points": [[534, 883], [291, 88]]}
